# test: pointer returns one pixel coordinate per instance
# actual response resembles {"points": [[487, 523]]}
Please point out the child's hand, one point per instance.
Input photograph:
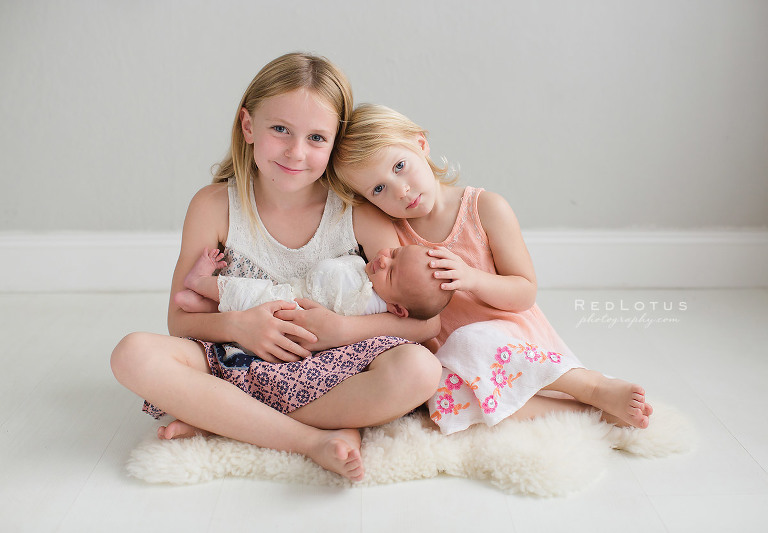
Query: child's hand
{"points": [[324, 323], [450, 266], [260, 330]]}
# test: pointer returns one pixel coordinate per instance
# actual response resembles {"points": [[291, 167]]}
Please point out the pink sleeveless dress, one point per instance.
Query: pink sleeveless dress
{"points": [[493, 360]]}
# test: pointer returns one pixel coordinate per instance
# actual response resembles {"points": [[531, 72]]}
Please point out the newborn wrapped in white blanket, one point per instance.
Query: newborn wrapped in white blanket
{"points": [[340, 284]]}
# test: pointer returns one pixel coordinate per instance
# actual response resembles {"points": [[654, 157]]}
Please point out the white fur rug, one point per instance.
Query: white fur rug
{"points": [[550, 456]]}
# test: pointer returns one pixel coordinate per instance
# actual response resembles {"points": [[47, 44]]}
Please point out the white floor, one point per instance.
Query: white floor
{"points": [[66, 428]]}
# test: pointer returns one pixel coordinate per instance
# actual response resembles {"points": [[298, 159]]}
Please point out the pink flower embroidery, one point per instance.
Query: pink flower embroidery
{"points": [[503, 355], [499, 378], [531, 353], [445, 404], [554, 357], [490, 404], [453, 382]]}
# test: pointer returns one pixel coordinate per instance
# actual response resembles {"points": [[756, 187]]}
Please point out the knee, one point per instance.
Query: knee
{"points": [[126, 357], [417, 370]]}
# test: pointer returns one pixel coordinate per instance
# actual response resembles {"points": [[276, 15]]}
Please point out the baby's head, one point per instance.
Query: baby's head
{"points": [[403, 278], [371, 130]]}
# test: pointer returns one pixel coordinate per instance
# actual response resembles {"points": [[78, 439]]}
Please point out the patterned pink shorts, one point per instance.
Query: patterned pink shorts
{"points": [[288, 386]]}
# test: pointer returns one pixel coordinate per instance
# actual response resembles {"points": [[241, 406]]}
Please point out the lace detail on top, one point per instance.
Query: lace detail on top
{"points": [[339, 284], [258, 255]]}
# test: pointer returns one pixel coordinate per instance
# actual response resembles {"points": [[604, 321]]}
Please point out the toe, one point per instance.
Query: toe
{"points": [[356, 474], [634, 404]]}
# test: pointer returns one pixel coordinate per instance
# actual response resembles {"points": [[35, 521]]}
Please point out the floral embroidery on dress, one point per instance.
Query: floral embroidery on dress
{"points": [[453, 382], [490, 404], [503, 355], [533, 353], [445, 403], [499, 379]]}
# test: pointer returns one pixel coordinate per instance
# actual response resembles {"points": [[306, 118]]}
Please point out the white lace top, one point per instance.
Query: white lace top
{"points": [[258, 255]]}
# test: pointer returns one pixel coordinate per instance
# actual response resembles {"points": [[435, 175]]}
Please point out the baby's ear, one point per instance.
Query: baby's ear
{"points": [[397, 309]]}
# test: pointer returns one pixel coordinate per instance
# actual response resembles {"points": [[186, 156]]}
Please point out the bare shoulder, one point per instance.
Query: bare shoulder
{"points": [[494, 209], [373, 229], [209, 211], [366, 209], [213, 195], [366, 215]]}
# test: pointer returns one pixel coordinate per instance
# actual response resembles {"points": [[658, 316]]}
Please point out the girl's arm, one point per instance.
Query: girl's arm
{"points": [[336, 330], [257, 329], [513, 288], [373, 231]]}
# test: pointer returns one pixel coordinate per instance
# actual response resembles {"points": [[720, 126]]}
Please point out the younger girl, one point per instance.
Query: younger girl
{"points": [[271, 211], [497, 348]]}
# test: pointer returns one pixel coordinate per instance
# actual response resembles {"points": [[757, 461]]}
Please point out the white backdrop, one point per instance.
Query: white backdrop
{"points": [[590, 114]]}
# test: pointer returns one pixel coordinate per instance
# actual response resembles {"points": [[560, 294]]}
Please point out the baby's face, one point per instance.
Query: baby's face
{"points": [[394, 272]]}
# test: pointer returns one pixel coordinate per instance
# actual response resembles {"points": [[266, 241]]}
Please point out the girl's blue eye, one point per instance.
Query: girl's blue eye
{"points": [[316, 138], [280, 129], [377, 189], [399, 166]]}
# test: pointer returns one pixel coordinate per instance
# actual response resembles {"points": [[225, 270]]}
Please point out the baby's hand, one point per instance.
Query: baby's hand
{"points": [[450, 266]]}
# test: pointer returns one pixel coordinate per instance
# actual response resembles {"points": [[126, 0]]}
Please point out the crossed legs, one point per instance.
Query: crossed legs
{"points": [[173, 374]]}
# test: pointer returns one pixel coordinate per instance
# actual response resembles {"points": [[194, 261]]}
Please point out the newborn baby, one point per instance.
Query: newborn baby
{"points": [[397, 280]]}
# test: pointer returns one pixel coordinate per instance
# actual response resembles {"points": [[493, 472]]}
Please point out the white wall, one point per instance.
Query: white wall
{"points": [[589, 114]]}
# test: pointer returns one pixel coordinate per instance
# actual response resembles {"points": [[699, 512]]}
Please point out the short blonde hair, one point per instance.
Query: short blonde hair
{"points": [[287, 73], [371, 129]]}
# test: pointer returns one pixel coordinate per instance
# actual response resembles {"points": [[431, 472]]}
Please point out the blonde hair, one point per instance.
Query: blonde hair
{"points": [[287, 73], [371, 129]]}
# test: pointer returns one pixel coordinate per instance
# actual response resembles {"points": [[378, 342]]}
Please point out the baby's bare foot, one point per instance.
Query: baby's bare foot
{"points": [[622, 403], [206, 265], [179, 430], [339, 452]]}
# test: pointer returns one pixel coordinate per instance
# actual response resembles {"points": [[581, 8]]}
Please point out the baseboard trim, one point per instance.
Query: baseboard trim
{"points": [[644, 259], [98, 262], [74, 262]]}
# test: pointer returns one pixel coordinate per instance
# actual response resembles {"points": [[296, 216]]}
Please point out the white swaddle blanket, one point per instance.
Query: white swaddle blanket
{"points": [[339, 284]]}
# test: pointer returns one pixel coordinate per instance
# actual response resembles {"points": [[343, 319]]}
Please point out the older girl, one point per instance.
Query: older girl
{"points": [[272, 212]]}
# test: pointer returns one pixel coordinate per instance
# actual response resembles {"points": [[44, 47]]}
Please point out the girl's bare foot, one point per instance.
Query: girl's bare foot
{"points": [[622, 403], [339, 452], [206, 265], [179, 430]]}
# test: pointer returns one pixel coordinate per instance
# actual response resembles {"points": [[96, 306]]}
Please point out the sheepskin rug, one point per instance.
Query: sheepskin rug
{"points": [[551, 456]]}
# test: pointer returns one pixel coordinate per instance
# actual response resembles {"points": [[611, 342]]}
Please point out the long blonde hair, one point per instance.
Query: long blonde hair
{"points": [[282, 75], [371, 129]]}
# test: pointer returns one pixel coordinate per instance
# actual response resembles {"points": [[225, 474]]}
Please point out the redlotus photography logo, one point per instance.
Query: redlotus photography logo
{"points": [[628, 313]]}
